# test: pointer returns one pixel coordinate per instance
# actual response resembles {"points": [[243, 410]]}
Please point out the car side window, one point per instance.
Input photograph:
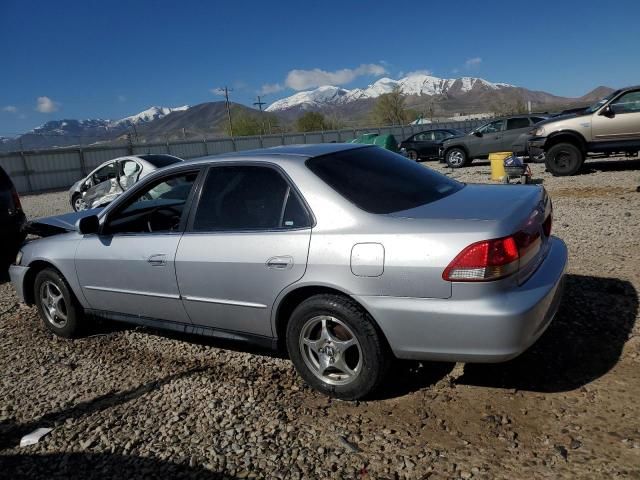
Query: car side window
{"points": [[441, 135], [105, 173], [158, 208], [515, 123], [422, 137], [492, 127], [627, 103], [247, 197], [536, 119]]}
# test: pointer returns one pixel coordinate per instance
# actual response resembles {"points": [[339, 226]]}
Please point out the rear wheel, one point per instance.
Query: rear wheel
{"points": [[413, 155], [564, 159], [56, 304], [456, 157], [336, 348]]}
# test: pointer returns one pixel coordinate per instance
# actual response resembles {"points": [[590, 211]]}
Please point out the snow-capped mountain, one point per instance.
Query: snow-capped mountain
{"points": [[416, 84], [150, 114]]}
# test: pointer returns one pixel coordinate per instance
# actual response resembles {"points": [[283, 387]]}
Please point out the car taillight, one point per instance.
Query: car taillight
{"points": [[546, 226], [492, 259], [16, 199]]}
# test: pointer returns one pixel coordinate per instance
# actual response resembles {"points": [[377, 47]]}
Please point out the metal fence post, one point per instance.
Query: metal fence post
{"points": [[304, 138], [83, 167], [261, 142], [27, 176], [206, 147], [339, 136]]}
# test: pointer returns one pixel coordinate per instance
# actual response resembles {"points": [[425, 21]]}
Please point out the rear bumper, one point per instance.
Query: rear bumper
{"points": [[17, 274], [493, 328]]}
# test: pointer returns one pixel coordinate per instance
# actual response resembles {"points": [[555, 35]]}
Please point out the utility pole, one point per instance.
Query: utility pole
{"points": [[259, 103], [226, 97]]}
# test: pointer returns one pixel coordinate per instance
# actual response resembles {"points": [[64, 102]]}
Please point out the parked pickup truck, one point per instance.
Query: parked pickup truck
{"points": [[608, 126]]}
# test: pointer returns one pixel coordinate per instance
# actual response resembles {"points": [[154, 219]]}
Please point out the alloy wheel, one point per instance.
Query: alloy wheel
{"points": [[330, 350], [53, 304], [456, 158]]}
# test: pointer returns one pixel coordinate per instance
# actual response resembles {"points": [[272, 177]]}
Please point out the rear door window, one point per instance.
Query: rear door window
{"points": [[380, 181], [515, 123], [247, 198]]}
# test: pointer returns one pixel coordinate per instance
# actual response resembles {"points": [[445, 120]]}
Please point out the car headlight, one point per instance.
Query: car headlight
{"points": [[538, 132], [19, 257]]}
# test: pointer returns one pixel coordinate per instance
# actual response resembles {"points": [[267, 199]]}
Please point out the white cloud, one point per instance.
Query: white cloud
{"points": [[46, 105], [473, 62], [455, 70], [268, 88], [418, 72], [303, 79], [10, 109]]}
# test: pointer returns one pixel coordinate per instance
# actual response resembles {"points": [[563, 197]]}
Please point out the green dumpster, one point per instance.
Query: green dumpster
{"points": [[385, 141]]}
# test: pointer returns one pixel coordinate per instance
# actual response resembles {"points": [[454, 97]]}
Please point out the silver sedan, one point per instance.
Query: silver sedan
{"points": [[112, 178], [344, 255]]}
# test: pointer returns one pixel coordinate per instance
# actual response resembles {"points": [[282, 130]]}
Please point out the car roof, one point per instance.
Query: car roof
{"points": [[303, 152]]}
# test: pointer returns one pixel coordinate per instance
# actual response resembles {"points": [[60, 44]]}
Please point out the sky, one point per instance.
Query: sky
{"points": [[111, 59]]}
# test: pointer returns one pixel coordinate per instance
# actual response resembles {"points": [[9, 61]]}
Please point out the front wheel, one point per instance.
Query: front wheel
{"points": [[564, 159], [56, 304], [78, 203], [456, 157], [413, 155], [336, 348]]}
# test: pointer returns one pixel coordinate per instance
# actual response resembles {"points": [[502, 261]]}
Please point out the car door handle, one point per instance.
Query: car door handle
{"points": [[280, 263], [158, 259]]}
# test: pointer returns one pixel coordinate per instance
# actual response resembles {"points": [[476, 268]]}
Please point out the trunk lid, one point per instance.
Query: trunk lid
{"points": [[508, 209]]}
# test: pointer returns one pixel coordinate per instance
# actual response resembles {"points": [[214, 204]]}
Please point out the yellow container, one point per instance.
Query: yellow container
{"points": [[497, 164]]}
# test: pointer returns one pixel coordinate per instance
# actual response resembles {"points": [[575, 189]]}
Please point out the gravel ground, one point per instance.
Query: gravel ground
{"points": [[133, 403]]}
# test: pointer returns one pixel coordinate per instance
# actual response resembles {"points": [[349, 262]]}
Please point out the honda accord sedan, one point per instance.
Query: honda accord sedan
{"points": [[345, 255]]}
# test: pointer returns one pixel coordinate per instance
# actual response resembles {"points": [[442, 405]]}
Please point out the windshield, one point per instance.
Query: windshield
{"points": [[599, 103], [380, 181]]}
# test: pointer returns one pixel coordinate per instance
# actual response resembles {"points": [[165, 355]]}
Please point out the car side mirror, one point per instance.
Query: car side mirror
{"points": [[608, 112], [88, 225], [477, 134]]}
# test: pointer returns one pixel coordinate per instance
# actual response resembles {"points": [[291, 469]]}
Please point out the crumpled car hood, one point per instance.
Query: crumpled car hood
{"points": [[47, 226]]}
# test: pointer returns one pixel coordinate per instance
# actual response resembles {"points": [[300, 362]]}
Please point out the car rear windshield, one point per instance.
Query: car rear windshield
{"points": [[380, 181], [160, 161]]}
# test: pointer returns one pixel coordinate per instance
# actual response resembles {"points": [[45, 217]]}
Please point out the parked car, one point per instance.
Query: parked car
{"points": [[505, 134], [426, 145], [346, 255], [112, 178], [610, 125], [12, 220]]}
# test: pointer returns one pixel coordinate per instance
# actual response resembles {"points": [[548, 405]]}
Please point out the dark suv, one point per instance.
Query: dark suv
{"points": [[503, 135], [12, 220]]}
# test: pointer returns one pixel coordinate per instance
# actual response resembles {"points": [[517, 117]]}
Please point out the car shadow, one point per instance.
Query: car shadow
{"points": [[68, 465], [582, 343], [623, 164], [408, 376]]}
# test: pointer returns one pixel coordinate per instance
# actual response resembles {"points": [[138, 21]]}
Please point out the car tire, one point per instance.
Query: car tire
{"points": [[413, 155], [56, 303], [456, 157], [77, 201], [564, 159], [336, 348]]}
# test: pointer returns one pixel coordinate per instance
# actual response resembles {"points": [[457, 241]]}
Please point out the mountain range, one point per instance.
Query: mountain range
{"points": [[426, 94]]}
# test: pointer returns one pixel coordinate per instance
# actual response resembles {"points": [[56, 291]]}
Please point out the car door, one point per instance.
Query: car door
{"points": [[103, 183], [489, 139], [621, 121], [128, 268], [515, 133], [246, 241]]}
